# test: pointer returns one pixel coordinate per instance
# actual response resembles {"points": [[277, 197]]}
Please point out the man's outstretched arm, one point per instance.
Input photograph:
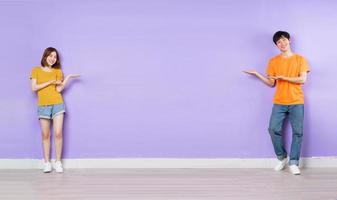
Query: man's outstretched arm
{"points": [[270, 81]]}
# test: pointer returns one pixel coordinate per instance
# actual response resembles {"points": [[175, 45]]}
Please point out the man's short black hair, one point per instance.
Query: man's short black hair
{"points": [[280, 34]]}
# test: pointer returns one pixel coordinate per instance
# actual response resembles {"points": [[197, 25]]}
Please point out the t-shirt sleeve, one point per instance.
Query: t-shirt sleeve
{"points": [[270, 69], [304, 66], [33, 74], [59, 75]]}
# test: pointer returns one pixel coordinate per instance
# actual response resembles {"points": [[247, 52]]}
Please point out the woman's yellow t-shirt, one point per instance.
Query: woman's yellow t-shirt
{"points": [[47, 95], [288, 93]]}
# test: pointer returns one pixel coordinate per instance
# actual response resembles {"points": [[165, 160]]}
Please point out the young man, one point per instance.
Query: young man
{"points": [[288, 71]]}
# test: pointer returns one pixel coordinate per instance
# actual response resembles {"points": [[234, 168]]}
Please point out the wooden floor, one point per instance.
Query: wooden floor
{"points": [[169, 184]]}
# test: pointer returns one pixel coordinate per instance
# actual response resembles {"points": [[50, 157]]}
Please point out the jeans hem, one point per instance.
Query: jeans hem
{"points": [[293, 162], [281, 157]]}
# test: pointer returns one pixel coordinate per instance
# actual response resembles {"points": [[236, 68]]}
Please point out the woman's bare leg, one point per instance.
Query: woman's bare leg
{"points": [[58, 135], [45, 129]]}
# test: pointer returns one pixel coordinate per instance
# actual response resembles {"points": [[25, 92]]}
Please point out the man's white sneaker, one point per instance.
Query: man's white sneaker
{"points": [[47, 167], [281, 164], [58, 167], [294, 169]]}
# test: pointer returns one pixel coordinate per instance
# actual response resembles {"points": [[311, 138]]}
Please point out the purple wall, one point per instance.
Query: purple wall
{"points": [[163, 78]]}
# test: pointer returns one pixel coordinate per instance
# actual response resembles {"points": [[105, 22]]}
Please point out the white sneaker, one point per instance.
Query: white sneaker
{"points": [[47, 167], [294, 169], [58, 167], [281, 164]]}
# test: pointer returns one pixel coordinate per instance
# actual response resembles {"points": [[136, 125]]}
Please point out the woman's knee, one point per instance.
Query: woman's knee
{"points": [[45, 135], [58, 135]]}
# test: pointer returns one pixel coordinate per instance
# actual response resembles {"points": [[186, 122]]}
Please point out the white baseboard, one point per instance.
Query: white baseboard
{"points": [[315, 162]]}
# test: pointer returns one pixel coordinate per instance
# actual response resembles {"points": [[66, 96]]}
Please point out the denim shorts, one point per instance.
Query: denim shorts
{"points": [[50, 111]]}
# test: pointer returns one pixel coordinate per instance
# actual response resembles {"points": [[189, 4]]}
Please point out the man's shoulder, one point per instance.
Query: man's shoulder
{"points": [[274, 59], [298, 56], [279, 57]]}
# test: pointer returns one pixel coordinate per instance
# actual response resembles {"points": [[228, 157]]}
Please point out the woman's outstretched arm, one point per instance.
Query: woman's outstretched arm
{"points": [[62, 85]]}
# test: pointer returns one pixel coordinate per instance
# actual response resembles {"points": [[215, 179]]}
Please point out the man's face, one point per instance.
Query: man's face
{"points": [[283, 44]]}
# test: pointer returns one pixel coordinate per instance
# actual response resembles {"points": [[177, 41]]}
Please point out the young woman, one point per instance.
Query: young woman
{"points": [[47, 81]]}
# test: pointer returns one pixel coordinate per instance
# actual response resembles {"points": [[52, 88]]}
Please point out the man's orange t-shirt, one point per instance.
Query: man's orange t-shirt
{"points": [[288, 93]]}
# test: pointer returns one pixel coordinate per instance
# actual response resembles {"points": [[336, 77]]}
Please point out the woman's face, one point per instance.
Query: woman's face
{"points": [[51, 59]]}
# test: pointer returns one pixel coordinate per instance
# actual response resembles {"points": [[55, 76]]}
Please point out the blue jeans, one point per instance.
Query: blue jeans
{"points": [[295, 114]]}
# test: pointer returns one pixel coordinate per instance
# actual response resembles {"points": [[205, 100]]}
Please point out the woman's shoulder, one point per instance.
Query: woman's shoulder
{"points": [[57, 70], [35, 68]]}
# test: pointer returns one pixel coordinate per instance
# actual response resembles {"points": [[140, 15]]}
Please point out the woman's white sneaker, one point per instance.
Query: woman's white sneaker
{"points": [[58, 167], [46, 167]]}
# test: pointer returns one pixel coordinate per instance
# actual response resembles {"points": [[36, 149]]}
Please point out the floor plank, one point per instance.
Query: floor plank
{"points": [[169, 184]]}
